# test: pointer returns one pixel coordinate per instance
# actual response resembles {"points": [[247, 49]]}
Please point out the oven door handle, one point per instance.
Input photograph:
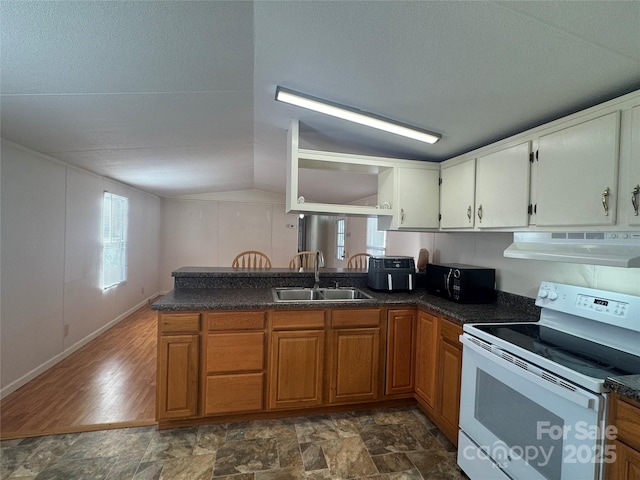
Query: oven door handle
{"points": [[579, 397]]}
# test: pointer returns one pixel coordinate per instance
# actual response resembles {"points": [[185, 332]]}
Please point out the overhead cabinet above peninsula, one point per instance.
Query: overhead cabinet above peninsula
{"points": [[406, 192]]}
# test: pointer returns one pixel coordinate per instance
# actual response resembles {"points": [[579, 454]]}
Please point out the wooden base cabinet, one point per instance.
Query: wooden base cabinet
{"points": [[400, 361], [177, 371], [234, 362], [355, 356], [626, 465], [256, 362], [439, 371], [624, 415]]}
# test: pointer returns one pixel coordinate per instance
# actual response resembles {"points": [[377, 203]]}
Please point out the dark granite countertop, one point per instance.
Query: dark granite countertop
{"points": [[627, 386], [248, 298]]}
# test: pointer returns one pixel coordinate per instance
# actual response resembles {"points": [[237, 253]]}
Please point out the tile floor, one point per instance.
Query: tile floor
{"points": [[385, 444]]}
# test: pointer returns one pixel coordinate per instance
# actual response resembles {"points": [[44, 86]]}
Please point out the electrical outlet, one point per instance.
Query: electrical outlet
{"points": [[66, 330]]}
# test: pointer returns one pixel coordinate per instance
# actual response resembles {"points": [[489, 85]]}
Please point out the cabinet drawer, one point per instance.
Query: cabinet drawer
{"points": [[626, 418], [179, 322], [236, 321], [234, 393], [451, 331], [297, 319], [235, 352], [361, 317]]}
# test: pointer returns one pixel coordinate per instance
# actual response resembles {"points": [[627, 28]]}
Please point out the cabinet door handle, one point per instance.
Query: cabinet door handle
{"points": [[401, 215], [634, 199], [605, 201], [480, 213], [469, 213]]}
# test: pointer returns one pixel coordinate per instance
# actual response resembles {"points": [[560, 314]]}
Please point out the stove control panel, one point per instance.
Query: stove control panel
{"points": [[612, 308], [601, 316], [602, 305]]}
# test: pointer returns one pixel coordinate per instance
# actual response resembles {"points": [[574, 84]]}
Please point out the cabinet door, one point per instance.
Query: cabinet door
{"points": [[177, 376], [626, 465], [400, 364], [632, 194], [426, 358], [577, 174], [295, 368], [457, 195], [418, 198], [502, 188], [449, 377], [354, 365]]}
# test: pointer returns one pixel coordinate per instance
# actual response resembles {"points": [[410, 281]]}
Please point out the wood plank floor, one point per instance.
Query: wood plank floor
{"points": [[108, 383]]}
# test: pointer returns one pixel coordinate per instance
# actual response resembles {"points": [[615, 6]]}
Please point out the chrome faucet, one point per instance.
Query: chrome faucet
{"points": [[316, 272]]}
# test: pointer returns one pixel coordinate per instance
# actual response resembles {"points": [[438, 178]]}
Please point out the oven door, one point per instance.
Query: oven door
{"points": [[525, 425]]}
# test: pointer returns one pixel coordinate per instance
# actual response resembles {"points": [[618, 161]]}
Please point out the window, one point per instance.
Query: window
{"points": [[376, 240], [340, 239], [115, 213]]}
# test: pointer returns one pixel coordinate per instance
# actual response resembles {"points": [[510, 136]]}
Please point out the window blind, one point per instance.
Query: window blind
{"points": [[376, 240], [340, 239], [115, 213]]}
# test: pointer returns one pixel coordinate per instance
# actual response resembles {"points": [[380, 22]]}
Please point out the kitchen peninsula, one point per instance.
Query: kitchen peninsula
{"points": [[227, 351], [214, 288]]}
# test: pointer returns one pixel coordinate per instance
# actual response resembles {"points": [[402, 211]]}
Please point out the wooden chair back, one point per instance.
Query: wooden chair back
{"points": [[251, 259], [305, 260], [358, 260]]}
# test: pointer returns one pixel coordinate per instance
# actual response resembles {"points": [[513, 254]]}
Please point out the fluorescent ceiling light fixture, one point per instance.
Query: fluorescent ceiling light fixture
{"points": [[354, 115]]}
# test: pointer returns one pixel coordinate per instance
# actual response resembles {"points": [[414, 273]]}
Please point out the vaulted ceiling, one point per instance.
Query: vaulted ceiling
{"points": [[177, 97]]}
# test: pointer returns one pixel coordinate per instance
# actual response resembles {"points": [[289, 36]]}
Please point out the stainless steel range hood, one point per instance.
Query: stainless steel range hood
{"points": [[614, 249]]}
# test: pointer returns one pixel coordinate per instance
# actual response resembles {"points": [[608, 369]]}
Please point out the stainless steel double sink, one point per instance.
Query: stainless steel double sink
{"points": [[299, 294]]}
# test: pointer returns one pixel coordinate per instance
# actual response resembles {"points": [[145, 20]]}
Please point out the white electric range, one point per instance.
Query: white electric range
{"points": [[533, 401]]}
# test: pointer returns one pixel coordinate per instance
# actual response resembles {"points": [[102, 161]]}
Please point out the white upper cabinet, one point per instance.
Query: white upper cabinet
{"points": [[577, 174], [502, 188], [632, 195], [457, 194]]}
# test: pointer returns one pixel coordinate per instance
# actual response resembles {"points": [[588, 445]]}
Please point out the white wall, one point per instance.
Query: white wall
{"points": [[50, 261], [520, 277], [523, 277], [211, 233], [409, 243]]}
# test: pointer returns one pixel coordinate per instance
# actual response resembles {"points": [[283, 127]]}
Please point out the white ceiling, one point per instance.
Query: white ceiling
{"points": [[177, 97]]}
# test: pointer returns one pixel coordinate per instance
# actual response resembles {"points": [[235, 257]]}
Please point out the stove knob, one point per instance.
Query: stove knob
{"points": [[553, 296], [542, 294]]}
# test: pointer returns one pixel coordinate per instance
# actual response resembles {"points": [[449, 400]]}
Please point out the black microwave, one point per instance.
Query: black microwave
{"points": [[462, 283]]}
